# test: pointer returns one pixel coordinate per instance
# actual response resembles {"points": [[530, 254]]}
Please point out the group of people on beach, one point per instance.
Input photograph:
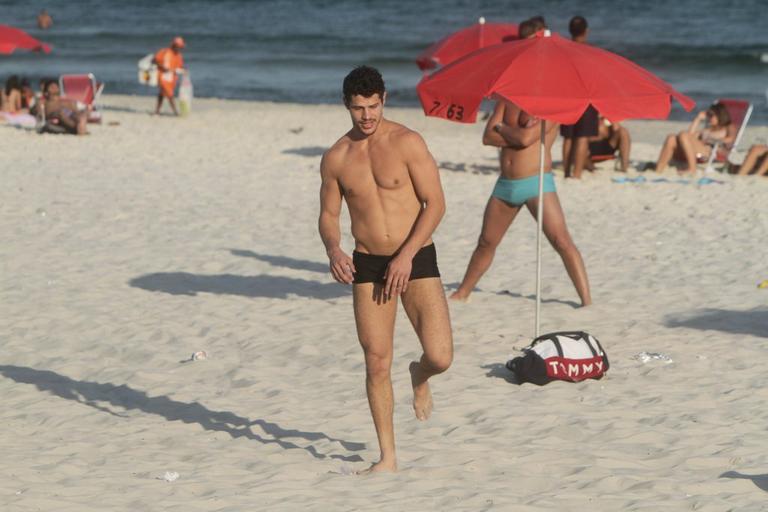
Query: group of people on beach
{"points": [[391, 185], [710, 130], [19, 102], [594, 138]]}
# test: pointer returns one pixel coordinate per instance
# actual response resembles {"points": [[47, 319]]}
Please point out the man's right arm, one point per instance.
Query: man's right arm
{"points": [[341, 265]]}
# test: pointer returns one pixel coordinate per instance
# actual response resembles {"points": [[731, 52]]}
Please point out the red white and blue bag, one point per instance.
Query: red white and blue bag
{"points": [[569, 355]]}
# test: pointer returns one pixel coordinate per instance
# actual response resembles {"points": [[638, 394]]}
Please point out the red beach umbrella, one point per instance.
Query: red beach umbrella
{"points": [[464, 42], [12, 39], [551, 78]]}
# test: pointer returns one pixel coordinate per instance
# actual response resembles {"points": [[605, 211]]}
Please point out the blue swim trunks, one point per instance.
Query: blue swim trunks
{"points": [[517, 192]]}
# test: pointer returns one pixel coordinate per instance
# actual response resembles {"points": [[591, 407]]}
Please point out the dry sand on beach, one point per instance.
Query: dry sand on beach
{"points": [[126, 251]]}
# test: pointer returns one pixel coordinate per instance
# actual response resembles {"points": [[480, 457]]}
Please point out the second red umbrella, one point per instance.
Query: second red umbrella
{"points": [[464, 42], [12, 38]]}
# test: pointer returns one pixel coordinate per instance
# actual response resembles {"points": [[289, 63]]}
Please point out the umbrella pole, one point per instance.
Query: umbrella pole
{"points": [[539, 226]]}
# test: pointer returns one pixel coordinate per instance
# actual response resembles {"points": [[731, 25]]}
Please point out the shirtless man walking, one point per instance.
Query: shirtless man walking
{"points": [[391, 185], [518, 135]]}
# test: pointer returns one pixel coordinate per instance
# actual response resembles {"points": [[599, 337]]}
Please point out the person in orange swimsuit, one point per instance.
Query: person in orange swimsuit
{"points": [[170, 63]]}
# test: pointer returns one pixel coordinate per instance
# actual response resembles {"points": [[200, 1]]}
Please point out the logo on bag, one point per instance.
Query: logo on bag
{"points": [[583, 369]]}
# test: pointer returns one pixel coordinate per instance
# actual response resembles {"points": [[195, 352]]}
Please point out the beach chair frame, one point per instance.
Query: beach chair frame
{"points": [[726, 151], [91, 97]]}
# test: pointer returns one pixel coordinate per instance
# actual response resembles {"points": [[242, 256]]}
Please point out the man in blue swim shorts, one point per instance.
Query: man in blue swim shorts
{"points": [[517, 134]]}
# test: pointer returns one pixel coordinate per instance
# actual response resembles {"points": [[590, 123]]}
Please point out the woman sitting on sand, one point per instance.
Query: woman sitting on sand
{"points": [[696, 142]]}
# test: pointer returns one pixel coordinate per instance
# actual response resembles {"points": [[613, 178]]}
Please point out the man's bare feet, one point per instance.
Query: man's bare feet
{"points": [[422, 396], [380, 467]]}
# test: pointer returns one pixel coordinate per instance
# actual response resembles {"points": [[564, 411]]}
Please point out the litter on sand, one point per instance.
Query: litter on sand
{"points": [[169, 476], [645, 357], [200, 355]]}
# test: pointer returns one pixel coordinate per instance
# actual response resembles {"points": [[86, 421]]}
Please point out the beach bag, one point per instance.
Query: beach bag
{"points": [[569, 355], [186, 94], [148, 70]]}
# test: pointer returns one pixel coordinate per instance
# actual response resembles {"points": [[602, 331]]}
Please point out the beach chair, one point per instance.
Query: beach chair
{"points": [[85, 89], [740, 112]]}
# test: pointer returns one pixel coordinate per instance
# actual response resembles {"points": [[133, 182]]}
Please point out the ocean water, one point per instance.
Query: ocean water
{"points": [[300, 50]]}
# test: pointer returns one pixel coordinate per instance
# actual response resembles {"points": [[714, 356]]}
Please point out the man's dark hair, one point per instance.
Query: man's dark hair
{"points": [[363, 81], [526, 29], [539, 23], [577, 26], [48, 83]]}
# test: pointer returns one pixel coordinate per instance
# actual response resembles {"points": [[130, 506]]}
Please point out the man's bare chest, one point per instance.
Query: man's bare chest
{"points": [[362, 177]]}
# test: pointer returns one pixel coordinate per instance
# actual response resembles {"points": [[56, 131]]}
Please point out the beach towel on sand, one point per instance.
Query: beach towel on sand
{"points": [[569, 355]]}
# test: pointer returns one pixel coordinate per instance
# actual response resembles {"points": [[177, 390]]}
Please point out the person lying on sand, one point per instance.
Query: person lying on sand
{"points": [[63, 111]]}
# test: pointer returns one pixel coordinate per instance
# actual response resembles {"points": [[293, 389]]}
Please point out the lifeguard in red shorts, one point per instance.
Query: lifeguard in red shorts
{"points": [[170, 63]]}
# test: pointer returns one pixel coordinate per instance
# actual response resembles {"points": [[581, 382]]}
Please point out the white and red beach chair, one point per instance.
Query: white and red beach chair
{"points": [[86, 90], [740, 112]]}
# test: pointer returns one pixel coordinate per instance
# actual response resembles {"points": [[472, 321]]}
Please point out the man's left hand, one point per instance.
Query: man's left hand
{"points": [[397, 275]]}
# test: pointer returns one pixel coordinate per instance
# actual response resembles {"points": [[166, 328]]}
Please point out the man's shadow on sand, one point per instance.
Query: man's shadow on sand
{"points": [[761, 481], [104, 397], [308, 151], [472, 168], [508, 293], [754, 322], [451, 287], [283, 261], [275, 287]]}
